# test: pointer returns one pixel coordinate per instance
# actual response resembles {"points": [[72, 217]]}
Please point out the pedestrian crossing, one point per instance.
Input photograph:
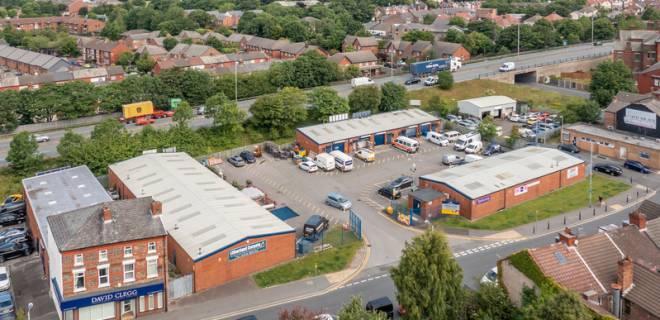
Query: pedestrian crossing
{"points": [[484, 248]]}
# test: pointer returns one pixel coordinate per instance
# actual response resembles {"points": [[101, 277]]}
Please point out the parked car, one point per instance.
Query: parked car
{"points": [[42, 138], [610, 169], [451, 159], [5, 283], [526, 133], [365, 155], [490, 276], [568, 148], [402, 182], [413, 80], [236, 161], [390, 192], [308, 166], [248, 156], [13, 207], [453, 118], [14, 234], [315, 225], [7, 306], [338, 201], [492, 149], [10, 250], [382, 304], [431, 81], [11, 218], [514, 117], [636, 166], [468, 125]]}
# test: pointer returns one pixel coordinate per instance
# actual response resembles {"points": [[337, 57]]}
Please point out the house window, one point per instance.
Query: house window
{"points": [[78, 260], [644, 155], [159, 299], [103, 255], [151, 247], [656, 82], [129, 271], [151, 301], [128, 251], [104, 278], [152, 267], [78, 280], [127, 306]]}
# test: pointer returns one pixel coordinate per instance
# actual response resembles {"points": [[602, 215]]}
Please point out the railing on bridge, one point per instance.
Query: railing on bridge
{"points": [[552, 62]]}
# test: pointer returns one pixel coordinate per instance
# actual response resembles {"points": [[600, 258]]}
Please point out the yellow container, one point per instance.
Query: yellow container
{"points": [[138, 109]]}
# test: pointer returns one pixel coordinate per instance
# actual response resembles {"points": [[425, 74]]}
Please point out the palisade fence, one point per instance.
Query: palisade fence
{"points": [[543, 64], [180, 287]]}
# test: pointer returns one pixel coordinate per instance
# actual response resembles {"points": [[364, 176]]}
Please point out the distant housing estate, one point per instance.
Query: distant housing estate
{"points": [[74, 25], [30, 62]]}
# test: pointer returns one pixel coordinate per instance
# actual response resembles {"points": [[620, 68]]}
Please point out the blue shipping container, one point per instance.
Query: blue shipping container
{"points": [[431, 66]]}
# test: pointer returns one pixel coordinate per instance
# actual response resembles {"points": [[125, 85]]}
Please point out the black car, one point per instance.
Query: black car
{"points": [[14, 234], [413, 80], [568, 148], [389, 192], [13, 207], [10, 250], [609, 169], [636, 166], [248, 156], [11, 218], [402, 182], [315, 225], [382, 304]]}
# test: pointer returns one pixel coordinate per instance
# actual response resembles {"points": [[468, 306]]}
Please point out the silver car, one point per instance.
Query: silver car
{"points": [[338, 201]]}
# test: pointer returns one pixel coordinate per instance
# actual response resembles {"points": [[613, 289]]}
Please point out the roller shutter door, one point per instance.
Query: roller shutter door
{"points": [[425, 128], [411, 132], [379, 139], [338, 146]]}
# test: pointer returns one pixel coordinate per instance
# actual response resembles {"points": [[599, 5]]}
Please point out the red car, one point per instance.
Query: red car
{"points": [[141, 121], [162, 114]]}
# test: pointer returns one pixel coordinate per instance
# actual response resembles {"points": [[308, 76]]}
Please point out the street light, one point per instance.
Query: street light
{"points": [[591, 170], [592, 29], [518, 38], [29, 307]]}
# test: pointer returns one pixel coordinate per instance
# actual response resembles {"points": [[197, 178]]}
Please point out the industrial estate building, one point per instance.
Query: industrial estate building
{"points": [[216, 233], [494, 106], [484, 187], [378, 129]]}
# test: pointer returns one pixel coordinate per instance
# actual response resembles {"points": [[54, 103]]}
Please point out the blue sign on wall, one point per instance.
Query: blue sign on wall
{"points": [[120, 295], [247, 250], [483, 199]]}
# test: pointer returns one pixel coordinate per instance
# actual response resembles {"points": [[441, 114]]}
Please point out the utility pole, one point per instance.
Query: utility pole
{"points": [[591, 170], [518, 38], [391, 64], [236, 81]]}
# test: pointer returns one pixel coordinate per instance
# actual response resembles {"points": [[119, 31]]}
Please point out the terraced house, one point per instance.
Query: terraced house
{"points": [[73, 24], [30, 62]]}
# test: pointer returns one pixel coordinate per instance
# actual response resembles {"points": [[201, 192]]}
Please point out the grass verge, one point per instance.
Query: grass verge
{"points": [[552, 204], [538, 99], [314, 264]]}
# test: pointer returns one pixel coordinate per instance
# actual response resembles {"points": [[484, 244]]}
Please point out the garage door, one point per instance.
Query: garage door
{"points": [[425, 128], [379, 139], [434, 127], [338, 146], [364, 141], [411, 132]]}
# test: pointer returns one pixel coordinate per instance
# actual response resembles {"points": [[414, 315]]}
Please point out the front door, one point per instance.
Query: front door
{"points": [[622, 152]]}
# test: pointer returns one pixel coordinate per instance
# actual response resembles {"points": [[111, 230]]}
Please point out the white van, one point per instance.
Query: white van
{"points": [[343, 161], [474, 147], [325, 161], [508, 66], [406, 144], [437, 138], [464, 140], [361, 81]]}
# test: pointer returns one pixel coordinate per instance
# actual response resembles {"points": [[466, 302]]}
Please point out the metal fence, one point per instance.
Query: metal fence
{"points": [[180, 287], [542, 64]]}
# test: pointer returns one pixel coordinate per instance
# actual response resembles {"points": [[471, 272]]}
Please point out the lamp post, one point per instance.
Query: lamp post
{"points": [[592, 29], [29, 307], [591, 170], [518, 38], [236, 81]]}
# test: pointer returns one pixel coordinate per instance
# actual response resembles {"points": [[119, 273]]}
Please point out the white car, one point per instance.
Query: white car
{"points": [[4, 279], [508, 66], [41, 139], [308, 166], [490, 276], [431, 81], [324, 316], [514, 117]]}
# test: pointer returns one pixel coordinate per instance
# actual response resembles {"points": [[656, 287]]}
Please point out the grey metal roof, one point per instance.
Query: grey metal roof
{"points": [[62, 191], [506, 170], [615, 135], [84, 228], [202, 212], [190, 50], [426, 194], [342, 130], [489, 101], [28, 57]]}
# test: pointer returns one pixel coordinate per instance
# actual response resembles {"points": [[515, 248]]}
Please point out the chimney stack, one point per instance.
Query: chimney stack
{"points": [[625, 274], [639, 219], [107, 215], [566, 237], [156, 208]]}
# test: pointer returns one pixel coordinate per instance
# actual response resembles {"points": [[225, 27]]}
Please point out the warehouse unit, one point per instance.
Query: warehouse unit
{"points": [[484, 187], [494, 106], [216, 233], [378, 129], [637, 114]]}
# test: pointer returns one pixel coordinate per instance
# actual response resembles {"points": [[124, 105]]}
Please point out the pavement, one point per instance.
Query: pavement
{"points": [[468, 72], [29, 285]]}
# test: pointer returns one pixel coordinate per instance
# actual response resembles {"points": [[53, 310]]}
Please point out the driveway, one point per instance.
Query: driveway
{"points": [[29, 284]]}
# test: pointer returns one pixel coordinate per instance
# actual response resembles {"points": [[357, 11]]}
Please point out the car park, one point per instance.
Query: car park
{"points": [[514, 117], [568, 148], [42, 138], [325, 161], [451, 159], [463, 141], [532, 120], [343, 162], [236, 161], [492, 149], [7, 310], [338, 201], [526, 133], [413, 80], [308, 166], [5, 282], [402, 182], [9, 250], [365, 155], [389, 192], [610, 169], [490, 276], [636, 166], [14, 234], [248, 156], [474, 147]]}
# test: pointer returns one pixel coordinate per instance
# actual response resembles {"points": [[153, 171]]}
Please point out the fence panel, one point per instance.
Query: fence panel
{"points": [[180, 287]]}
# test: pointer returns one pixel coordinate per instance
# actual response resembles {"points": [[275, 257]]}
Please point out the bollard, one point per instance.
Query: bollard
{"points": [[647, 190], [580, 215], [534, 229], [627, 199], [631, 180], [564, 220], [637, 194], [594, 212], [548, 224], [606, 207]]}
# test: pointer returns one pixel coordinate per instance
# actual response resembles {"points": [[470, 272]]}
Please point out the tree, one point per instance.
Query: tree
{"points": [[445, 80], [183, 114], [83, 12], [490, 302], [429, 18], [457, 21], [145, 63], [393, 97], [280, 112], [325, 102], [295, 30], [442, 107], [125, 59], [108, 130], [513, 137], [587, 111], [478, 43], [561, 305], [170, 43], [608, 79], [414, 35], [427, 270], [112, 30], [8, 116], [23, 156], [454, 36], [487, 129], [225, 113], [650, 13], [353, 310], [68, 47], [603, 29], [364, 98]]}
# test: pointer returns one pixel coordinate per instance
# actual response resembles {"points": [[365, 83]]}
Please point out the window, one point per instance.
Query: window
{"points": [[142, 308], [129, 271], [151, 301], [152, 267], [104, 278], [78, 260], [128, 251], [103, 255], [127, 306], [644, 155], [159, 299], [78, 280], [151, 247], [656, 82]]}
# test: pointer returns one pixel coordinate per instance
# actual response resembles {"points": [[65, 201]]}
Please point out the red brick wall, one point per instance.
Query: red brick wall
{"points": [[632, 151]]}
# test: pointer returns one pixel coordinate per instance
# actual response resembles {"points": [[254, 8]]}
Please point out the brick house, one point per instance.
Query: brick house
{"points": [[648, 80], [29, 62], [183, 50], [442, 49], [229, 19], [294, 50], [103, 52], [637, 48], [137, 38], [108, 260], [634, 113], [73, 24], [272, 48], [366, 61], [239, 40], [360, 44]]}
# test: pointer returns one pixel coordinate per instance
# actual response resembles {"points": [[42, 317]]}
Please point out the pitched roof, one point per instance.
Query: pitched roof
{"points": [[188, 34], [653, 231], [151, 50], [191, 50], [646, 289], [446, 48], [421, 46], [84, 228], [399, 44], [354, 57], [533, 19], [602, 256], [212, 34], [624, 99], [141, 35], [364, 41], [238, 37], [101, 44], [267, 44], [564, 265], [553, 17], [247, 56]]}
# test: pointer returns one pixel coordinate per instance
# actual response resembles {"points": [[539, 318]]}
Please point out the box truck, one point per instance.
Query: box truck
{"points": [[434, 66]]}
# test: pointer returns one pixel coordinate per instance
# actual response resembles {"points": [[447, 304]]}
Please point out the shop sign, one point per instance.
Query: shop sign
{"points": [[121, 295], [250, 249], [483, 199], [451, 208], [572, 172], [524, 188], [640, 118], [403, 218]]}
